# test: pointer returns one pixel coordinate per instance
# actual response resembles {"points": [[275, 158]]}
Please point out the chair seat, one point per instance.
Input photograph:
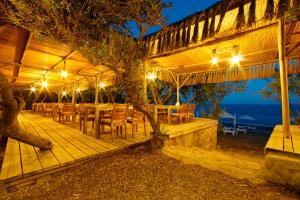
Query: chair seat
{"points": [[177, 114], [67, 113], [162, 113]]}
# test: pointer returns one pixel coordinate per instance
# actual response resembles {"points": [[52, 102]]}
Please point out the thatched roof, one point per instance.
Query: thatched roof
{"points": [[227, 28], [185, 48]]}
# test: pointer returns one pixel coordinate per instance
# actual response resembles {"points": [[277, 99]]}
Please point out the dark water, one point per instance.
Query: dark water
{"points": [[265, 115]]}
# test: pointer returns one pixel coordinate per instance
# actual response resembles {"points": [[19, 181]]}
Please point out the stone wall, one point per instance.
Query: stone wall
{"points": [[283, 168], [205, 138]]}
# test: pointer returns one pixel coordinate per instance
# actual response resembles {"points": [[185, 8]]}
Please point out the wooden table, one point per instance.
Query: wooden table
{"points": [[99, 108], [167, 107]]}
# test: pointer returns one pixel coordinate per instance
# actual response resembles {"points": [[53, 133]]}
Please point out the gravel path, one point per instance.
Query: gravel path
{"points": [[140, 174]]}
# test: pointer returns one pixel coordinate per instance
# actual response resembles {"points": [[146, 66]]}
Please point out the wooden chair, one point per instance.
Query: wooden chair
{"points": [[134, 118], [191, 112], [40, 107], [181, 113], [86, 115], [67, 111], [48, 109], [117, 121], [55, 112], [162, 114]]}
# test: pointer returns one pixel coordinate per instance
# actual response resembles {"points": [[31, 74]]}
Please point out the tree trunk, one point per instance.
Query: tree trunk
{"points": [[9, 126]]}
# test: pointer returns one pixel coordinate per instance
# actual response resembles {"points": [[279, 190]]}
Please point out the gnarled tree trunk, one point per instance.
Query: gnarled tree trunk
{"points": [[9, 126]]}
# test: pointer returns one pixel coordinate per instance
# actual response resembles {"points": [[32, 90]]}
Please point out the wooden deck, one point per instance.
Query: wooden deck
{"points": [[277, 142], [23, 162]]}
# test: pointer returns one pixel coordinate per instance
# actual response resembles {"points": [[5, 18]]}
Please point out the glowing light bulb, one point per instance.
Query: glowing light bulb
{"points": [[236, 59], [64, 93], [152, 76], [44, 84], [102, 85], [33, 89], [214, 60], [64, 73], [78, 89]]}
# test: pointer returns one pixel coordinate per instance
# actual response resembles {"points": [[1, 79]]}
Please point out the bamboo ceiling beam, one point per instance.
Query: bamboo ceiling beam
{"points": [[20, 51]]}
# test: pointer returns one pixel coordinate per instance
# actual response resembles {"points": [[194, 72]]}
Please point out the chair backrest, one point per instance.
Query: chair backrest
{"points": [[49, 106], [192, 108], [151, 108], [120, 112], [184, 108], [137, 115], [68, 107]]}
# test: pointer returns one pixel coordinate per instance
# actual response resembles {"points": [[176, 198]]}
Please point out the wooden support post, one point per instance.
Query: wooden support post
{"points": [[59, 98], [283, 80], [73, 93], [145, 84], [96, 90], [178, 91]]}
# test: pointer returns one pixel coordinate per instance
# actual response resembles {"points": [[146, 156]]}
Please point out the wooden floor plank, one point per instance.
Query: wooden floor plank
{"points": [[11, 166], [92, 142], [46, 157], [88, 137], [30, 161], [60, 153], [68, 146], [70, 137]]}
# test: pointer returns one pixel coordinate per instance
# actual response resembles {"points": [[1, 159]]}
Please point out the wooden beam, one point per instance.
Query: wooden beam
{"points": [[283, 80], [24, 37], [175, 79], [96, 90], [62, 60], [292, 49], [185, 80], [177, 91], [290, 31]]}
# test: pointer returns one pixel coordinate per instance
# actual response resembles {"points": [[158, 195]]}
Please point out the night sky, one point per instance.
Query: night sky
{"points": [[182, 8]]}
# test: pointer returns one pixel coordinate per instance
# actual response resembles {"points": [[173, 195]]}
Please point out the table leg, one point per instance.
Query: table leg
{"points": [[155, 114], [97, 124], [169, 115]]}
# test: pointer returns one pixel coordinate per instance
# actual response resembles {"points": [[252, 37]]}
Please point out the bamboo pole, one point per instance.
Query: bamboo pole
{"points": [[96, 90], [178, 91], [73, 94], [283, 80], [59, 98]]}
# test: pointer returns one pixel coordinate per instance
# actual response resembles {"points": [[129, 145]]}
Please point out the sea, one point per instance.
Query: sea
{"points": [[264, 116]]}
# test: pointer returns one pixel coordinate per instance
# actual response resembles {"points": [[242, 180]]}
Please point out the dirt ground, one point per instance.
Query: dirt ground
{"points": [[143, 174]]}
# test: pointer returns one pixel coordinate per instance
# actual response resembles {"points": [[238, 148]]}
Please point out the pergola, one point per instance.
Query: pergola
{"points": [[232, 40], [29, 62]]}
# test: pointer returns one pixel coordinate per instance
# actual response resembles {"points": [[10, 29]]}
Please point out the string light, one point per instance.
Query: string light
{"points": [[32, 89], [152, 76], [214, 60], [236, 59], [102, 85], [44, 84], [64, 73]]}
